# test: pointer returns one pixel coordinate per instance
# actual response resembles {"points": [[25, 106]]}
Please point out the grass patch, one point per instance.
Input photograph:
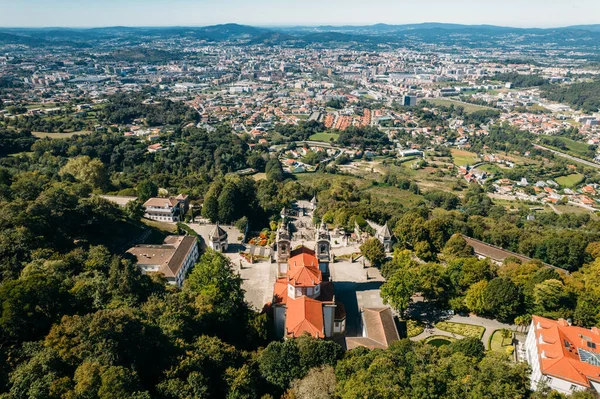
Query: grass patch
{"points": [[490, 168], [439, 340], [159, 230], [463, 158], [42, 135], [466, 330], [576, 147], [324, 137], [570, 181], [259, 176], [469, 108], [496, 342]]}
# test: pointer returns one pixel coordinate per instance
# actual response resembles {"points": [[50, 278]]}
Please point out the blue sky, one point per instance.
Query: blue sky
{"points": [[521, 13]]}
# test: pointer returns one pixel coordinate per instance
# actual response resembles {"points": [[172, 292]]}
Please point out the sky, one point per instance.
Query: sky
{"points": [[93, 13]]}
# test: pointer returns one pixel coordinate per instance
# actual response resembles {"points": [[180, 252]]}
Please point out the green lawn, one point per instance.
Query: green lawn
{"points": [[490, 168], [497, 344], [469, 108], [570, 180], [325, 137], [463, 158], [577, 148], [466, 330]]}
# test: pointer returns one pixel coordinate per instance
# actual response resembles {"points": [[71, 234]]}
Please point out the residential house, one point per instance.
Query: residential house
{"points": [[170, 209]]}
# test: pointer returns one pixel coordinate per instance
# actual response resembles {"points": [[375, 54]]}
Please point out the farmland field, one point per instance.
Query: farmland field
{"points": [[469, 108], [463, 158], [325, 137], [570, 180], [42, 135]]}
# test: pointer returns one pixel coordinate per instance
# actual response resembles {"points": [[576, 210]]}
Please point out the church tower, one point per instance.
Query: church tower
{"points": [[284, 248], [323, 248]]}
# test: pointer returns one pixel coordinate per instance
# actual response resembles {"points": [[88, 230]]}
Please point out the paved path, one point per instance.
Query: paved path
{"points": [[489, 325], [429, 316]]}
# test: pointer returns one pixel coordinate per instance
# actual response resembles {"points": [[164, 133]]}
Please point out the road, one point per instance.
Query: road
{"points": [[572, 158]]}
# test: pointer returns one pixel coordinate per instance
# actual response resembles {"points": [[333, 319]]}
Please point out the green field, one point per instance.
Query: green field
{"points": [[497, 344], [41, 135], [324, 137], [469, 108], [490, 168], [463, 158], [577, 148], [570, 180]]}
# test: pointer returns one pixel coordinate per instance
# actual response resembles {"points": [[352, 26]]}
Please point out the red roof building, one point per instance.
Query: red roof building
{"points": [[563, 357], [303, 303]]}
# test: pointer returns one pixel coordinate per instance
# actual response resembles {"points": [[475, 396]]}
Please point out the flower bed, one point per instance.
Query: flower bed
{"points": [[466, 330]]}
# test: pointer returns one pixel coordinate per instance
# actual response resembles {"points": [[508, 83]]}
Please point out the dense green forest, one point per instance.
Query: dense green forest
{"points": [[584, 96], [520, 80]]}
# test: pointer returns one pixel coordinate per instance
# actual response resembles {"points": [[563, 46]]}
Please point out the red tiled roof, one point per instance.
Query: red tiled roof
{"points": [[558, 344], [304, 270], [304, 315]]}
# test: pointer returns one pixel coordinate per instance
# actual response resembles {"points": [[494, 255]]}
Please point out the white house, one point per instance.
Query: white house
{"points": [[563, 357]]}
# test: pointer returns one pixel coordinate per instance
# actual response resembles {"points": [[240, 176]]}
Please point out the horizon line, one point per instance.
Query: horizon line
{"points": [[299, 25]]}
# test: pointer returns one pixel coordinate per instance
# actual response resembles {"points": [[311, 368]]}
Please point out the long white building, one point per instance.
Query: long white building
{"points": [[563, 357]]}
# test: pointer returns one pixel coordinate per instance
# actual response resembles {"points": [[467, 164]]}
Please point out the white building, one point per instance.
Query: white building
{"points": [[172, 259], [217, 239], [170, 209], [563, 357]]}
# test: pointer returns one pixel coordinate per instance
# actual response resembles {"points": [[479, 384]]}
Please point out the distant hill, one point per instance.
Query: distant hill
{"points": [[476, 36]]}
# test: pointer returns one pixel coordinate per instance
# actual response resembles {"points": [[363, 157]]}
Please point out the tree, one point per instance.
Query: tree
{"points": [[319, 383], [457, 246], [475, 299], [210, 208], [373, 250], [274, 170], [227, 203], [425, 251], [548, 295], [87, 170], [146, 190], [399, 289], [502, 298], [469, 346], [135, 210], [219, 290]]}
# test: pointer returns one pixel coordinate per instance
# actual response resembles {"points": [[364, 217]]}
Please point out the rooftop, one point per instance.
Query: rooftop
{"points": [[169, 256], [567, 352]]}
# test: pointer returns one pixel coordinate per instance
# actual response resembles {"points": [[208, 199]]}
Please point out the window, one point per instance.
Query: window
{"points": [[591, 345], [573, 387]]}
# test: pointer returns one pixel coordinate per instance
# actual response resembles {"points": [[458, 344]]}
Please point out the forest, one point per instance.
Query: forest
{"points": [[583, 96], [78, 320]]}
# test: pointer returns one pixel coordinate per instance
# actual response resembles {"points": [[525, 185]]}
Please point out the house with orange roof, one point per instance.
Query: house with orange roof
{"points": [[563, 357]]}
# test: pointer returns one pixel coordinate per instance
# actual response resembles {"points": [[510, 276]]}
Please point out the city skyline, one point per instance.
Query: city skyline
{"points": [[92, 13]]}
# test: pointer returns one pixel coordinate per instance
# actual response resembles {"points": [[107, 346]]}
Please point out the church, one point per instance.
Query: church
{"points": [[303, 295]]}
